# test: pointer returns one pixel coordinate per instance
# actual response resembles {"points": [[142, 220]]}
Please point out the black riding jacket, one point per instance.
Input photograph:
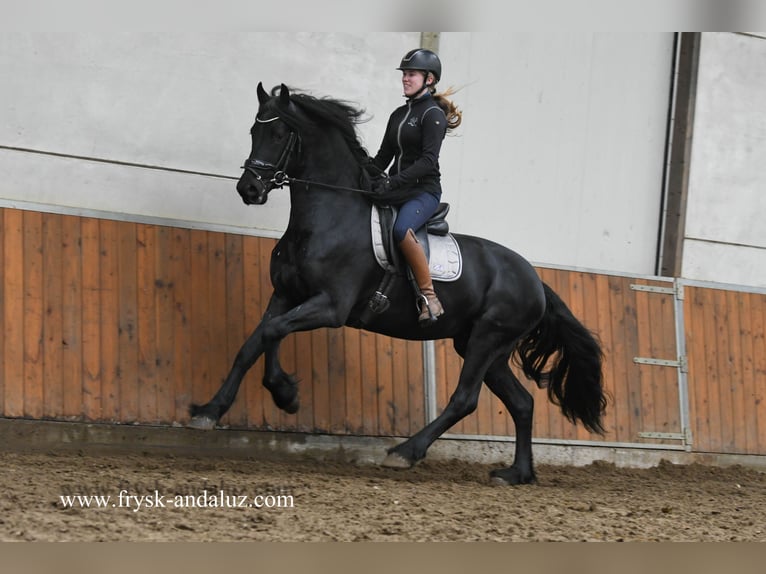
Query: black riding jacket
{"points": [[413, 140]]}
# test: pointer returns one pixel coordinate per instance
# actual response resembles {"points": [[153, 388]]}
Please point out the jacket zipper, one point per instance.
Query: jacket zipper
{"points": [[399, 137]]}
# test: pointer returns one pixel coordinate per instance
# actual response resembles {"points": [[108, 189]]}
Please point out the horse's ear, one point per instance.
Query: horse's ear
{"points": [[263, 97], [284, 95]]}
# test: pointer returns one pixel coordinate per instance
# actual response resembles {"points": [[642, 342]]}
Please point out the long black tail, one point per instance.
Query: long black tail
{"points": [[575, 379]]}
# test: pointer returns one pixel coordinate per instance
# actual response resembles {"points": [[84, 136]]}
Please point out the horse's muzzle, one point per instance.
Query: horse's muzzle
{"points": [[252, 191]]}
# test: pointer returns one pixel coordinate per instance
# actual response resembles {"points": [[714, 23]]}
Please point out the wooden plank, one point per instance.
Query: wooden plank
{"points": [[303, 372], [622, 353], [110, 320], [3, 278], [711, 379], [181, 275], [369, 378], [52, 320], [743, 306], [603, 302], [72, 316], [454, 366], [636, 373], [91, 319], [337, 380], [163, 288], [218, 359], [320, 380], [758, 322], [386, 419], [701, 364], [401, 387], [13, 313], [33, 315], [128, 321], [200, 320], [724, 386], [235, 322], [353, 406], [737, 435], [146, 328], [416, 379]]}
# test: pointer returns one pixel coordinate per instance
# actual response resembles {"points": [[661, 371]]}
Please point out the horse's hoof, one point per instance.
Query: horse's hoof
{"points": [[395, 460], [202, 423], [498, 481], [510, 477], [293, 407]]}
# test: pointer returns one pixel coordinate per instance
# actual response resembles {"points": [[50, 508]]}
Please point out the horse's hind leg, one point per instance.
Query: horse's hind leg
{"points": [[519, 402], [482, 349]]}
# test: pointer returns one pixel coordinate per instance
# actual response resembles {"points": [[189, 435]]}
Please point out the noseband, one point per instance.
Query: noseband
{"points": [[279, 177]]}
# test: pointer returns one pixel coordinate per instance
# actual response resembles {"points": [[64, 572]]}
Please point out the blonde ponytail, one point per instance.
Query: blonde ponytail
{"points": [[453, 113]]}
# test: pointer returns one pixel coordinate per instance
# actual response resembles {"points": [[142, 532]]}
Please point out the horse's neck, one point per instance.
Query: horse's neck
{"points": [[316, 207]]}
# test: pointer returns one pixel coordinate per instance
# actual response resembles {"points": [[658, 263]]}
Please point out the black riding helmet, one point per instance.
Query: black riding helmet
{"points": [[422, 60]]}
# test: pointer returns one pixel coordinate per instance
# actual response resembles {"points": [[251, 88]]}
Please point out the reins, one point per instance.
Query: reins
{"points": [[281, 179]]}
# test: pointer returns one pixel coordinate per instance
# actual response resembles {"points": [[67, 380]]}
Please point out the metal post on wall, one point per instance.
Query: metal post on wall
{"points": [[429, 41], [683, 381]]}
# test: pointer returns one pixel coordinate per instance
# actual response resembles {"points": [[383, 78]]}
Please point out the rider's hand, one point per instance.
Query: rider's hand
{"points": [[381, 185]]}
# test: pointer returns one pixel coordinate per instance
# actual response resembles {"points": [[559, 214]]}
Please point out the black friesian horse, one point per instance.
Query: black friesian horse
{"points": [[324, 273]]}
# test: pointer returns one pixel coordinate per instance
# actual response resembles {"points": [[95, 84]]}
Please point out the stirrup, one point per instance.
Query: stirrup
{"points": [[431, 318]]}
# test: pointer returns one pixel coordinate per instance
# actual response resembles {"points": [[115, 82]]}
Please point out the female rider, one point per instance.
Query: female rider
{"points": [[413, 141]]}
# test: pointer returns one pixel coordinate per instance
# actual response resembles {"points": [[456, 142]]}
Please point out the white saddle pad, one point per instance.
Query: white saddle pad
{"points": [[445, 261]]}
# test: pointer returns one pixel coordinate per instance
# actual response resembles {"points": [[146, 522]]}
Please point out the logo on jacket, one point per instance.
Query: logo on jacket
{"points": [[413, 123]]}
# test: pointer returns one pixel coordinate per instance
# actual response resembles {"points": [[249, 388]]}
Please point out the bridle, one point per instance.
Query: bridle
{"points": [[279, 169], [279, 177]]}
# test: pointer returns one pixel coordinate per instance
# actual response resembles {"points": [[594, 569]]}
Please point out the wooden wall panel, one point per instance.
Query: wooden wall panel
{"points": [[630, 324], [124, 322], [727, 369]]}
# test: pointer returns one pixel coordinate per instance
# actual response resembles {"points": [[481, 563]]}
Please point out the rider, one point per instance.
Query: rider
{"points": [[413, 140]]}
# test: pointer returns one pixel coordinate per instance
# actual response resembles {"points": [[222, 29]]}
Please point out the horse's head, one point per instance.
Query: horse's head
{"points": [[274, 144]]}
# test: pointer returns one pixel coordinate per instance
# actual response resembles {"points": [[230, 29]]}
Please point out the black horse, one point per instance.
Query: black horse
{"points": [[324, 273]]}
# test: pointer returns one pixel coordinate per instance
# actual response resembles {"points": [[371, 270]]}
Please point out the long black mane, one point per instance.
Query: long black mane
{"points": [[325, 111]]}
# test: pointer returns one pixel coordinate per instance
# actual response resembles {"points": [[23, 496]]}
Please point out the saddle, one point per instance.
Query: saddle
{"points": [[442, 251]]}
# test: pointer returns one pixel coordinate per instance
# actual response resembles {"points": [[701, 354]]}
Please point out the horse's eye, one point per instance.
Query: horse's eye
{"points": [[278, 135]]}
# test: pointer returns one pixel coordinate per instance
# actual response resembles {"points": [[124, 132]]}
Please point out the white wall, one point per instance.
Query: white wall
{"points": [[560, 155], [725, 238], [176, 101], [561, 152]]}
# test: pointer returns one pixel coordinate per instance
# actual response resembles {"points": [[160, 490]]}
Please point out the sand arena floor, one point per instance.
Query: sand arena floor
{"points": [[308, 500]]}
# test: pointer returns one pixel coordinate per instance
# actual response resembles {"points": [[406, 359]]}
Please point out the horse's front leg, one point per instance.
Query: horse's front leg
{"points": [[314, 313], [207, 416], [282, 386]]}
